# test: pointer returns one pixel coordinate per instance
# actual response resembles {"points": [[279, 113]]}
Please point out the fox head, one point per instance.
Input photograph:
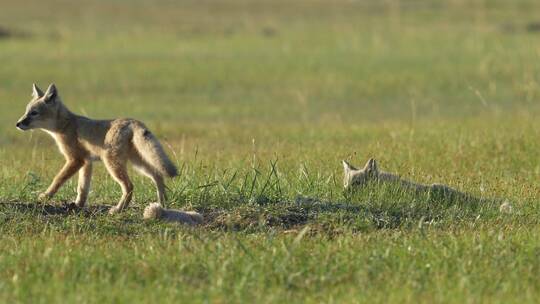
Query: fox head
{"points": [[42, 110], [358, 177]]}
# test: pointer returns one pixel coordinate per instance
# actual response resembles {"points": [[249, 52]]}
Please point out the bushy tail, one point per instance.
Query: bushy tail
{"points": [[152, 152], [155, 211]]}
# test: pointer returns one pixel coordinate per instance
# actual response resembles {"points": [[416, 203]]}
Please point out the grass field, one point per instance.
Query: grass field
{"points": [[258, 102]]}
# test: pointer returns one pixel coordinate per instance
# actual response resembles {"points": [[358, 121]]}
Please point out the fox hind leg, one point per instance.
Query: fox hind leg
{"points": [[116, 166], [147, 170]]}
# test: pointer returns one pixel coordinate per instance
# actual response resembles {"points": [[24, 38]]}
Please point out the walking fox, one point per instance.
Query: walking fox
{"points": [[355, 178], [83, 140]]}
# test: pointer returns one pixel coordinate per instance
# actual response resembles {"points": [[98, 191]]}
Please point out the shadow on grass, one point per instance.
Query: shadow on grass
{"points": [[55, 209], [354, 213], [8, 33], [368, 210]]}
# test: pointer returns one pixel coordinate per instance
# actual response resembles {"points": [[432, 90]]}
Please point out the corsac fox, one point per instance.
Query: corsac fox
{"points": [[356, 178], [82, 140]]}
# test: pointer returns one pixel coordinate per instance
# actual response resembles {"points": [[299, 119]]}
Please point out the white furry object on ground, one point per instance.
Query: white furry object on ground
{"points": [[506, 207], [156, 211]]}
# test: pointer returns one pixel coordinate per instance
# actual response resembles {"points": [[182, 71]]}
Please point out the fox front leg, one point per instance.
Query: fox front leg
{"points": [[83, 187], [70, 168]]}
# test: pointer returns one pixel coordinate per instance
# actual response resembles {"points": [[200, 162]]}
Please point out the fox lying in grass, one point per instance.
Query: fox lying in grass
{"points": [[355, 178], [83, 140]]}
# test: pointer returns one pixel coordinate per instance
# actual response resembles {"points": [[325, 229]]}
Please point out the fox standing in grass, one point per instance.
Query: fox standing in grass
{"points": [[83, 140]]}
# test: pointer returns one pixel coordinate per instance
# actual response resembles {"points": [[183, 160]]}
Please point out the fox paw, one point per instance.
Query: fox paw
{"points": [[44, 196], [114, 210]]}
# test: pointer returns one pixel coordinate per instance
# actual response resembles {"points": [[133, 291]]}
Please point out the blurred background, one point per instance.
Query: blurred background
{"points": [[420, 84]]}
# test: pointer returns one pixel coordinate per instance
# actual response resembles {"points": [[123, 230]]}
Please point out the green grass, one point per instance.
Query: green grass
{"points": [[258, 102]]}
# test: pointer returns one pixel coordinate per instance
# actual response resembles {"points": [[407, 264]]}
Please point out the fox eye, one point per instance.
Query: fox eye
{"points": [[34, 113]]}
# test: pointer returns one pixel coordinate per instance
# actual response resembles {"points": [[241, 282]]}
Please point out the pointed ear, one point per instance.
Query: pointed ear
{"points": [[347, 167], [371, 166], [51, 93], [36, 92]]}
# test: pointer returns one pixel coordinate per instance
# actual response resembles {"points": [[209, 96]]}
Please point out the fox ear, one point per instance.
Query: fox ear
{"points": [[51, 93], [371, 166], [347, 167], [36, 92]]}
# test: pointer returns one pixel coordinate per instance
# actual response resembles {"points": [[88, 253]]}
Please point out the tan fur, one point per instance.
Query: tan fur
{"points": [[157, 212], [83, 140], [355, 178]]}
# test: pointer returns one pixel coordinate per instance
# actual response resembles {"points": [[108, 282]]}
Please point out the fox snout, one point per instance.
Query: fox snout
{"points": [[23, 124]]}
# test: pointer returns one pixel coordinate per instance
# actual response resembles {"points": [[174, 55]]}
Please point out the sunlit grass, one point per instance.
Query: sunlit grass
{"points": [[258, 103]]}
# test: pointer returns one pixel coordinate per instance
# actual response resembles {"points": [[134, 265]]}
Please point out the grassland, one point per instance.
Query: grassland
{"points": [[258, 102]]}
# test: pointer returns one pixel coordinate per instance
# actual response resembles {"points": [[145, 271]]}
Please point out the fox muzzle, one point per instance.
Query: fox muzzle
{"points": [[23, 124]]}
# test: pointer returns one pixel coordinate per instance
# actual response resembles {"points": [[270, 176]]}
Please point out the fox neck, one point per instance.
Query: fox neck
{"points": [[387, 176], [63, 120]]}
